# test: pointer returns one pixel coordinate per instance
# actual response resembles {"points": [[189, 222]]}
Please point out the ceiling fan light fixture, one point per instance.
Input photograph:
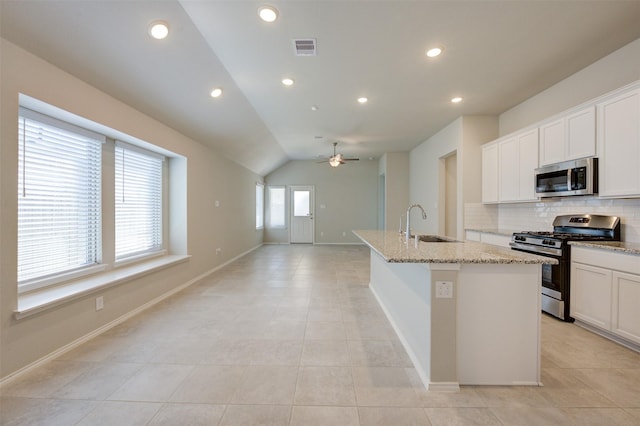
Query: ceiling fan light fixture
{"points": [[334, 161], [159, 30], [268, 13]]}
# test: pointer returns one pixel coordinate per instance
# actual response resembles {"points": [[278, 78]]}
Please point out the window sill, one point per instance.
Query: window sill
{"points": [[41, 300]]}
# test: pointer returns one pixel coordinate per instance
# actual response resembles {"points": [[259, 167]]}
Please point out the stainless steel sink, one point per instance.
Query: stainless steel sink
{"points": [[436, 239]]}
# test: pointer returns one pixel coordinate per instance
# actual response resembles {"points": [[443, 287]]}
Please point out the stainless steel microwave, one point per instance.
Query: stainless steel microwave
{"points": [[576, 177]]}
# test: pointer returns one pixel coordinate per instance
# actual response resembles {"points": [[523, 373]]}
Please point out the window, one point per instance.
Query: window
{"points": [[138, 201], [88, 203], [259, 206], [59, 181], [276, 209]]}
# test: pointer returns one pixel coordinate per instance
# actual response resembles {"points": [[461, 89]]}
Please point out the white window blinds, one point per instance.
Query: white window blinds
{"points": [[138, 192], [58, 197], [275, 212]]}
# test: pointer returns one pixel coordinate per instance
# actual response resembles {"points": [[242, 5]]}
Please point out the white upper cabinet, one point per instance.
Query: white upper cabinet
{"points": [[528, 162], [490, 173], [518, 158], [569, 137], [509, 163], [619, 145]]}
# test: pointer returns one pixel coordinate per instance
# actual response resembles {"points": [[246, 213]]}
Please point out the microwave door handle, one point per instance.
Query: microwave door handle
{"points": [[569, 183]]}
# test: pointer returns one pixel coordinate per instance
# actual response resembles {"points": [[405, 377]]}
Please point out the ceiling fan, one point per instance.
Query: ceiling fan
{"points": [[336, 159]]}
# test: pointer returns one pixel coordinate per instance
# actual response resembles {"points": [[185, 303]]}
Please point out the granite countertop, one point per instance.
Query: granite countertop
{"points": [[392, 247], [619, 246]]}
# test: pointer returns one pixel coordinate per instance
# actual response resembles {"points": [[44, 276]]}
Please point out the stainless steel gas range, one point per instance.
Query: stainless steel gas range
{"points": [[556, 279]]}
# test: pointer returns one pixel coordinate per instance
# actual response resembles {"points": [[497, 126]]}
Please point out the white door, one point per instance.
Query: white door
{"points": [[302, 202]]}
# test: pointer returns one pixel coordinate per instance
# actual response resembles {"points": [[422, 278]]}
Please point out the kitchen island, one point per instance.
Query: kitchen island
{"points": [[466, 312]]}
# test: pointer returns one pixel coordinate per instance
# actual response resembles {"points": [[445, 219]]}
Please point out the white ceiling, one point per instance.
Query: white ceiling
{"points": [[497, 54]]}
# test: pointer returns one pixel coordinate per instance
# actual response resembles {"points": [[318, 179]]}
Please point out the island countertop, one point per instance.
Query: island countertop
{"points": [[393, 249]]}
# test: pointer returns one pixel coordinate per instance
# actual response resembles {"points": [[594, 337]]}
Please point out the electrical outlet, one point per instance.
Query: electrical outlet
{"points": [[444, 289], [217, 203], [344, 234], [321, 234], [218, 250], [99, 303]]}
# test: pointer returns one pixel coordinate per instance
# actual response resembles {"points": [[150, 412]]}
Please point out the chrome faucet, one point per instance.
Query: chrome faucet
{"points": [[424, 216]]}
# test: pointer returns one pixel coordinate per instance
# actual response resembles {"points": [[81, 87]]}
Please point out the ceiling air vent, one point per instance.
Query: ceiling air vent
{"points": [[305, 46]]}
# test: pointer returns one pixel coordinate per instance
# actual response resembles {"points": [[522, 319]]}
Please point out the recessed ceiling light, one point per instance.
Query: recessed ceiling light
{"points": [[363, 100], [433, 52], [268, 13], [216, 93], [287, 81], [456, 100], [159, 30], [314, 107]]}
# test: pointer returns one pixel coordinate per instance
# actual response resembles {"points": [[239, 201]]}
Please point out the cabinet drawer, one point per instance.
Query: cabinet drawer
{"points": [[607, 259]]}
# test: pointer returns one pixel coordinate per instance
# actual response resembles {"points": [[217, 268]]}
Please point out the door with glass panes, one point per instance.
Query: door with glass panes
{"points": [[302, 222]]}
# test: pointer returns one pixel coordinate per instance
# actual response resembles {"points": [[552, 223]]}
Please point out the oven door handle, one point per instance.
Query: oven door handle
{"points": [[539, 250]]}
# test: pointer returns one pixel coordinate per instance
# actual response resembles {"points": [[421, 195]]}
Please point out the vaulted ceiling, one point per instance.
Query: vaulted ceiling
{"points": [[496, 55]]}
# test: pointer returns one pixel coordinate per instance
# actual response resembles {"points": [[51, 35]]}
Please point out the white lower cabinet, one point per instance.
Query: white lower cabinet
{"points": [[605, 291], [626, 309], [591, 294]]}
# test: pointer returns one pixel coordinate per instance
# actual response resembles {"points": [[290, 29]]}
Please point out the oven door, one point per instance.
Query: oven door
{"points": [[555, 289]]}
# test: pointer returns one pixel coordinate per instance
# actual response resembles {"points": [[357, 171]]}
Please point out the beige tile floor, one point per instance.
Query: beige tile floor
{"points": [[291, 335]]}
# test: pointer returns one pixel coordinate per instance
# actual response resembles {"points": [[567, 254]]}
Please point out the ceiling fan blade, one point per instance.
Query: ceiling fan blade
{"points": [[350, 159]]}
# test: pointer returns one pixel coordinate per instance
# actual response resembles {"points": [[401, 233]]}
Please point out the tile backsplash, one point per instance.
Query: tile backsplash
{"points": [[539, 216]]}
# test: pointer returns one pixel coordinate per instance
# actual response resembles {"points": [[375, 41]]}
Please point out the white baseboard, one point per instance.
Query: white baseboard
{"points": [[339, 244], [444, 387], [607, 335], [70, 346]]}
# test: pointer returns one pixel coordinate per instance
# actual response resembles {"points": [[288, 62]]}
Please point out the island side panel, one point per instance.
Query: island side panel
{"points": [[499, 324], [403, 291]]}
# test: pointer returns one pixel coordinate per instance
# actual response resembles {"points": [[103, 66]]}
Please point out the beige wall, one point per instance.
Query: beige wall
{"points": [[210, 177], [464, 136], [609, 73], [394, 166], [348, 193]]}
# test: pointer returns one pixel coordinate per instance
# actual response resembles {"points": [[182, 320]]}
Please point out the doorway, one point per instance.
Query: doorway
{"points": [[381, 202], [448, 195], [302, 208]]}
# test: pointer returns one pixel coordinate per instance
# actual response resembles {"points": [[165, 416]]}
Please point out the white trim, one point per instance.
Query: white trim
{"points": [[141, 257], [443, 387], [340, 244], [608, 335], [38, 301], [38, 283], [70, 346]]}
